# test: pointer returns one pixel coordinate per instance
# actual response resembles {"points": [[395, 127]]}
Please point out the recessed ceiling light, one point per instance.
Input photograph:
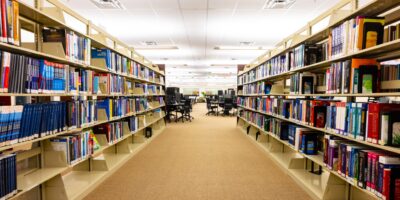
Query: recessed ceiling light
{"points": [[108, 4], [155, 47], [246, 43], [278, 4], [239, 48], [149, 43]]}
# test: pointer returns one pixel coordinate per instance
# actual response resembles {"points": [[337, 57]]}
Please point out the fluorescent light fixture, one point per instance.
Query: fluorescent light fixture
{"points": [[246, 43], [108, 4], [278, 4], [223, 65], [241, 48], [155, 47], [149, 43]]}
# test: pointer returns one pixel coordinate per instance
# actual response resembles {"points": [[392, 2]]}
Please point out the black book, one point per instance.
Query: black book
{"points": [[394, 128], [372, 32], [394, 191], [55, 35], [307, 85], [368, 79]]}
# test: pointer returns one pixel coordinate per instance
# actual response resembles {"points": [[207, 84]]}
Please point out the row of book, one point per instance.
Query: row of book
{"points": [[76, 47], [249, 77], [372, 122], [391, 33], [351, 36], [121, 64], [374, 170], [298, 57], [304, 140], [23, 74], [79, 146], [113, 132], [261, 87], [9, 23], [76, 146], [31, 121], [8, 176], [356, 34], [81, 113], [348, 77]]}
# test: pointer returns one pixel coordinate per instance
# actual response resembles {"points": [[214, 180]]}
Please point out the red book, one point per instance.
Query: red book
{"points": [[4, 20], [386, 184], [373, 122], [315, 103], [5, 71], [374, 119]]}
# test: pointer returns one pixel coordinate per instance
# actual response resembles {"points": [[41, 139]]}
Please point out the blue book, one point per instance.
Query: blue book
{"points": [[17, 123], [104, 54], [96, 81], [347, 123], [104, 104]]}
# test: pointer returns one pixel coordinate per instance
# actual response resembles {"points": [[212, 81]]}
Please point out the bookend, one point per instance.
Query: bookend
{"points": [[29, 45], [102, 115], [55, 188], [54, 48], [149, 117], [138, 91], [99, 62], [53, 158], [142, 121], [313, 170], [252, 132], [139, 137]]}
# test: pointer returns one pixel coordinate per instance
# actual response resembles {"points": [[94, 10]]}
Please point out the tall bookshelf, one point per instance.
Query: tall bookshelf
{"points": [[311, 171], [43, 172]]}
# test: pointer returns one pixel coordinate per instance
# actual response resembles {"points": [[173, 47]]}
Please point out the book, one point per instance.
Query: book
{"points": [[359, 67], [76, 47]]}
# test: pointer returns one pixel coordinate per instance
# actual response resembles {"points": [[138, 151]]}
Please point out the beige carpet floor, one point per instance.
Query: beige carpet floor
{"points": [[208, 158]]}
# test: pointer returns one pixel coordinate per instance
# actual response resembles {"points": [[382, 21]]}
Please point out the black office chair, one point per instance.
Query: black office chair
{"points": [[185, 111], [210, 107], [234, 104], [221, 102], [228, 105]]}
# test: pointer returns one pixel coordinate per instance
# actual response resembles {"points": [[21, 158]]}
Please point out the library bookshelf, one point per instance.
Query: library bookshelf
{"points": [[311, 170], [43, 172]]}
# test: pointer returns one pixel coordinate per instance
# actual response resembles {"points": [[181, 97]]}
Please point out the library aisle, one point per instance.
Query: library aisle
{"points": [[208, 158]]}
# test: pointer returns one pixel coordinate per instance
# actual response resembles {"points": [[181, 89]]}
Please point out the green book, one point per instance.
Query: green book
{"points": [[367, 82]]}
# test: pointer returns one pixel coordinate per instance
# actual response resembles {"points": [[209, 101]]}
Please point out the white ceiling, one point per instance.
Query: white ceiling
{"points": [[196, 27]]}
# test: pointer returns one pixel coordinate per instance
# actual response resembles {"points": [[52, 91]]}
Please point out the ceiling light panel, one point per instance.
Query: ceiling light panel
{"points": [[108, 4]]}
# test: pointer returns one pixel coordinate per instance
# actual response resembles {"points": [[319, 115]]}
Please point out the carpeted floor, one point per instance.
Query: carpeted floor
{"points": [[208, 158]]}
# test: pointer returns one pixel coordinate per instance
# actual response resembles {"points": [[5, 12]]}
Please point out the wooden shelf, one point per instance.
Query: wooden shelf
{"points": [[35, 178], [326, 95], [74, 130], [78, 182], [42, 18], [386, 148], [373, 8], [77, 95], [310, 181]]}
